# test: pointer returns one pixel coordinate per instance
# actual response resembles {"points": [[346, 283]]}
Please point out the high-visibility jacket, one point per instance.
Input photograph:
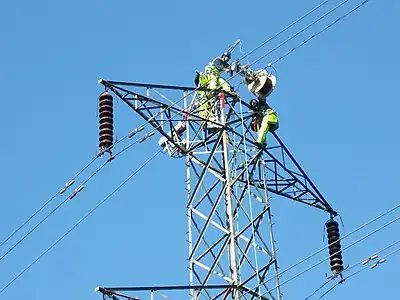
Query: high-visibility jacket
{"points": [[211, 79]]}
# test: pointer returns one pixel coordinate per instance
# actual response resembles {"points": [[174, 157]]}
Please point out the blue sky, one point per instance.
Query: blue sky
{"points": [[336, 98]]}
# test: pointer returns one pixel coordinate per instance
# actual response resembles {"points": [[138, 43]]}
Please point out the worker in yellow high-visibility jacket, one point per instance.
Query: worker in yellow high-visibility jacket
{"points": [[265, 120], [211, 79]]}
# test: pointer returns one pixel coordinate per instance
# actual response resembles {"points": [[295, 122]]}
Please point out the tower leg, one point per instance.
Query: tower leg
{"points": [[271, 234], [229, 209]]}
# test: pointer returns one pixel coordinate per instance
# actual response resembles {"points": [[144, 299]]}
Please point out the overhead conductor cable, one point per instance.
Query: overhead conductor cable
{"points": [[81, 220]]}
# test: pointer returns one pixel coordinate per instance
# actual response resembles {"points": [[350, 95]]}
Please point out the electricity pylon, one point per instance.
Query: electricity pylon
{"points": [[229, 178]]}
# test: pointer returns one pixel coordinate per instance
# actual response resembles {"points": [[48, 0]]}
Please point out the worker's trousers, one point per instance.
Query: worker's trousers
{"points": [[269, 123]]}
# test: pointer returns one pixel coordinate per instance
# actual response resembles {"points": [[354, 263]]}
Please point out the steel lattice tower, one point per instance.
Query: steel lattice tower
{"points": [[229, 178]]}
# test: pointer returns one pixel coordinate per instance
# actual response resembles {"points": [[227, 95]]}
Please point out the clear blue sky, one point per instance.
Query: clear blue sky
{"points": [[337, 99]]}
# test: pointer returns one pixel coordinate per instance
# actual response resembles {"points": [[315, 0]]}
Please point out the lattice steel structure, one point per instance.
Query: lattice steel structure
{"points": [[231, 240]]}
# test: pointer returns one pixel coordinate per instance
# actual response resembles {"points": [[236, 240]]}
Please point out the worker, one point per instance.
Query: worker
{"points": [[265, 120], [211, 79], [261, 84], [269, 123]]}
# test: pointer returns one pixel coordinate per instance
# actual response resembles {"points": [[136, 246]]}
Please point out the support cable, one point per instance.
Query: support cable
{"points": [[80, 221]]}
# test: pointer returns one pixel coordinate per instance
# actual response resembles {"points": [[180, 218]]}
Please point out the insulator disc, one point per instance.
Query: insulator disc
{"points": [[332, 223], [338, 255], [106, 114], [335, 252], [104, 137], [333, 235], [333, 240], [337, 268], [105, 95], [106, 120], [106, 108], [335, 248], [105, 127], [106, 132], [335, 261]]}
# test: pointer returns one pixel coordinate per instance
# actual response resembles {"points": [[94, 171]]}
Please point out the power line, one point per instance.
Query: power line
{"points": [[130, 135], [71, 196], [66, 186], [373, 266], [51, 213], [363, 269], [69, 184], [80, 221], [371, 257], [318, 289], [284, 29], [324, 294], [261, 57], [349, 246], [273, 49], [302, 30], [341, 239], [362, 262], [72, 181], [60, 192], [259, 46], [318, 33], [251, 51]]}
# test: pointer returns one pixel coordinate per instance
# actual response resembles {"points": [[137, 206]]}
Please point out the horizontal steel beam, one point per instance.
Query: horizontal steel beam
{"points": [[165, 288], [155, 86]]}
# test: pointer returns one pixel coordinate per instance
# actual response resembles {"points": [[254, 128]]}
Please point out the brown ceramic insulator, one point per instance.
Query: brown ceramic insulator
{"points": [[336, 262], [106, 121]]}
